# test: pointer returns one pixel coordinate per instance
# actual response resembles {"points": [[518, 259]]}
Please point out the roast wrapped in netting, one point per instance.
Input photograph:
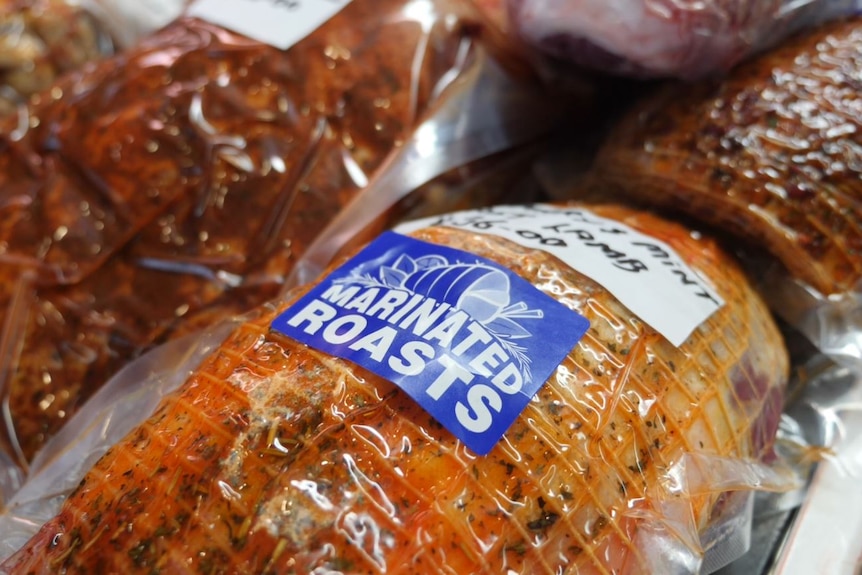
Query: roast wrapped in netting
{"points": [[275, 457], [770, 155]]}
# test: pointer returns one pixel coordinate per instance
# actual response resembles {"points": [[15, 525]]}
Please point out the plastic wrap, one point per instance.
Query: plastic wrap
{"points": [[109, 415], [180, 181], [746, 141], [665, 38], [770, 155], [131, 20], [826, 535], [833, 324], [634, 456], [823, 535], [42, 39]]}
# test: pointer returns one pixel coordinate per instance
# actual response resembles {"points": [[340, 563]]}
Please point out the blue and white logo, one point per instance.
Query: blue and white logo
{"points": [[468, 339]]}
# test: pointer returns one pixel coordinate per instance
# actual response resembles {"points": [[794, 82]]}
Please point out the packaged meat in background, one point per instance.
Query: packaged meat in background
{"points": [[180, 180], [771, 155], [664, 38], [632, 453], [42, 39]]}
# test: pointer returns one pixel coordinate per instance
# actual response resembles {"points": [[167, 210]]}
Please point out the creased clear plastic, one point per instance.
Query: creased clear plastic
{"points": [[635, 456], [832, 323], [179, 182], [665, 38], [108, 416], [468, 127], [825, 533]]}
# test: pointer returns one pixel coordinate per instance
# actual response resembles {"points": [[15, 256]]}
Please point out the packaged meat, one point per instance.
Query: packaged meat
{"points": [[771, 154], [40, 40], [180, 180], [274, 457], [665, 38]]}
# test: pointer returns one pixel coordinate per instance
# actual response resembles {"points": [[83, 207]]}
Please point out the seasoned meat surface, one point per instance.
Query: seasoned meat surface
{"points": [[773, 154]]}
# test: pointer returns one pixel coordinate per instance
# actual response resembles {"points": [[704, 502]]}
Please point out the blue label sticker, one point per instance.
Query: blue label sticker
{"points": [[468, 339]]}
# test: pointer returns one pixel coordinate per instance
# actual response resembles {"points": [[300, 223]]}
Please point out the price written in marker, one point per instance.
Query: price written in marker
{"points": [[666, 293]]}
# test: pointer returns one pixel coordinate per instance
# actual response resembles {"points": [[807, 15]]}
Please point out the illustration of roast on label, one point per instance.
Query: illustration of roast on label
{"points": [[298, 446], [465, 337]]}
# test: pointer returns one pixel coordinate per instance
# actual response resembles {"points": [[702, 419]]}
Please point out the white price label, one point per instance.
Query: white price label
{"points": [[280, 23], [644, 273]]}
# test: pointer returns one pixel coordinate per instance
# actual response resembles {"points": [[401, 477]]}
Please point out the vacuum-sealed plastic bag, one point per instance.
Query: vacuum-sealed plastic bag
{"points": [[42, 39], [180, 181], [771, 158], [624, 452], [665, 38], [770, 155], [131, 20], [823, 535]]}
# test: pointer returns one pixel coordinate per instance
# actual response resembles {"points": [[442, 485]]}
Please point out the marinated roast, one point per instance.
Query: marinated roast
{"points": [[772, 153], [181, 180], [276, 458]]}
